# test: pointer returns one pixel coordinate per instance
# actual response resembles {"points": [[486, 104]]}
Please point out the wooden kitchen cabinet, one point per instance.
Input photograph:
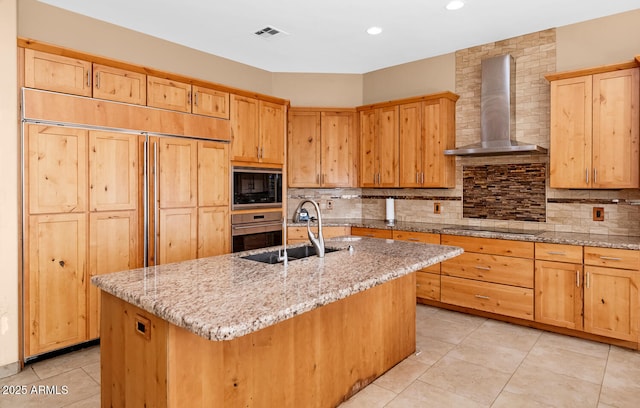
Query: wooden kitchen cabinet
{"points": [[297, 235], [257, 130], [168, 94], [492, 275], [427, 279], [57, 73], [427, 128], [379, 144], [595, 134], [322, 148], [372, 232], [611, 297], [119, 85], [210, 102]]}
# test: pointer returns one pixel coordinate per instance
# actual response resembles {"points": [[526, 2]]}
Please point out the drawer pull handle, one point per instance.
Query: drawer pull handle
{"points": [[610, 258], [482, 297], [577, 278], [413, 239], [556, 252], [483, 268]]}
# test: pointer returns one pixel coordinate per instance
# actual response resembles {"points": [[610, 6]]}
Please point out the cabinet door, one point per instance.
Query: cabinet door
{"points": [[439, 134], [571, 133], [272, 133], [55, 278], [178, 235], [210, 102], [56, 163], [411, 145], [113, 247], [368, 160], [214, 231], [57, 73], [303, 155], [372, 232], [213, 174], [558, 294], [113, 171], [178, 172], [337, 160], [388, 142], [245, 139], [119, 85], [616, 154], [611, 302], [168, 94]]}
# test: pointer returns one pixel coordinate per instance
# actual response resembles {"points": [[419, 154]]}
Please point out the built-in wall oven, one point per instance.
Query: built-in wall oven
{"points": [[256, 230], [259, 190]]}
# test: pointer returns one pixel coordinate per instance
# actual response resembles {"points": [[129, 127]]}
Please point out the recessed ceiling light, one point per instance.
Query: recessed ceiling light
{"points": [[374, 30], [455, 5]]}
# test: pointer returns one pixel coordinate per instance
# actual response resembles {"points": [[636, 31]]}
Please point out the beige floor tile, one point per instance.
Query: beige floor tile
{"points": [[429, 350], [370, 397], [621, 384], [567, 362], [457, 317], [509, 400], [574, 344], [488, 354], [53, 392], [91, 402], [54, 366], [550, 388], [424, 311], [93, 370], [421, 395], [402, 375], [506, 335], [26, 376], [445, 330], [473, 381]]}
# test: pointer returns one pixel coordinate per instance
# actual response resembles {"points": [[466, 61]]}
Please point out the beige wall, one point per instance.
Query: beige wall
{"points": [[421, 77], [9, 216], [602, 41], [319, 90]]}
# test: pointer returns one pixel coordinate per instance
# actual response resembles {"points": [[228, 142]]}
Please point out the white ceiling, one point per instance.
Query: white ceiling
{"points": [[328, 36]]}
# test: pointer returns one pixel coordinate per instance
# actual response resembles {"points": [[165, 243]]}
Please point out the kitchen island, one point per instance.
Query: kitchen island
{"points": [[227, 331]]}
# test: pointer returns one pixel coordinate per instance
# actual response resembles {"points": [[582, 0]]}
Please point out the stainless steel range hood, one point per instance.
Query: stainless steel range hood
{"points": [[497, 113]]}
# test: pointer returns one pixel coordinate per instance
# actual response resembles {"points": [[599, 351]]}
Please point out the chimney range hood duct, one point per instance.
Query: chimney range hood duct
{"points": [[497, 113]]}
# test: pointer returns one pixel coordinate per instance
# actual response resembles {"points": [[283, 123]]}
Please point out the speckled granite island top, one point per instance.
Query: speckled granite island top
{"points": [[224, 297]]}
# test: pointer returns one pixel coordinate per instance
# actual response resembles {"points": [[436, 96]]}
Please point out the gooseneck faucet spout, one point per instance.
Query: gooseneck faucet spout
{"points": [[316, 241]]}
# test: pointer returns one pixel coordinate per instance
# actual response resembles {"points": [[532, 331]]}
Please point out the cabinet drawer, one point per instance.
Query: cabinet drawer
{"points": [[490, 246], [559, 252], [427, 285], [300, 233], [491, 268], [372, 232], [490, 297], [424, 237], [612, 258]]}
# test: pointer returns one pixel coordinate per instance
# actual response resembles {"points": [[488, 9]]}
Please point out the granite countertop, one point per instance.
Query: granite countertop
{"points": [[224, 297], [568, 238]]}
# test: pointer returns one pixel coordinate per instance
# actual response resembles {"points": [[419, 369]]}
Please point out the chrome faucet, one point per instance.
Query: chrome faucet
{"points": [[316, 241]]}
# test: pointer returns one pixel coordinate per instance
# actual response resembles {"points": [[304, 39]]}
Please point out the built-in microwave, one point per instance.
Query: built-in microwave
{"points": [[255, 187]]}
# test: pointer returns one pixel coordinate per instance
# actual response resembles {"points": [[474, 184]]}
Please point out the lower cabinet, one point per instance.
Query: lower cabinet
{"points": [[372, 232], [492, 275], [427, 279], [298, 235]]}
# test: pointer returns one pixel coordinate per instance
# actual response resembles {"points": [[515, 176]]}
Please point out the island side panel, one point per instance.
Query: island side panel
{"points": [[316, 359]]}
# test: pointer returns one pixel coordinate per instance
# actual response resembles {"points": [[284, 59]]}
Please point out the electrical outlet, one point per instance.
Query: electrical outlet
{"points": [[598, 213], [329, 205], [436, 208]]}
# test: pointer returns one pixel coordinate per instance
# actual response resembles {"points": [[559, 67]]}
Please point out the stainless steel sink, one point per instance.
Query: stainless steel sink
{"points": [[302, 252]]}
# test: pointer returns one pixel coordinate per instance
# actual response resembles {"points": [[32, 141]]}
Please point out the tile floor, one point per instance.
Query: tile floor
{"points": [[462, 361]]}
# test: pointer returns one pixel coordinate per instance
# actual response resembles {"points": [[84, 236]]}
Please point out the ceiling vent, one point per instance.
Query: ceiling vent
{"points": [[270, 32]]}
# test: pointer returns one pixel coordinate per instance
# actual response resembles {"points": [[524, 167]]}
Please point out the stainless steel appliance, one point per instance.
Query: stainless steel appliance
{"points": [[256, 230], [255, 188]]}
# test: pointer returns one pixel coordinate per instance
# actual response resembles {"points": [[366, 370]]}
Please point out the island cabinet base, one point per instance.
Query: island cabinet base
{"points": [[316, 359]]}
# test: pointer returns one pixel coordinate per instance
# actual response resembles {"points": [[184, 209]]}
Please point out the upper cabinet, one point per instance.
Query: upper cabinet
{"points": [[210, 102], [595, 129], [184, 97], [379, 143], [427, 128], [402, 142], [57, 73], [119, 85], [257, 130], [322, 148]]}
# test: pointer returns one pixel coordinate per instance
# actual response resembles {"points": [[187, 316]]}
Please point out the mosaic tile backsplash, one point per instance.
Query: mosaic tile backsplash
{"points": [[505, 192]]}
